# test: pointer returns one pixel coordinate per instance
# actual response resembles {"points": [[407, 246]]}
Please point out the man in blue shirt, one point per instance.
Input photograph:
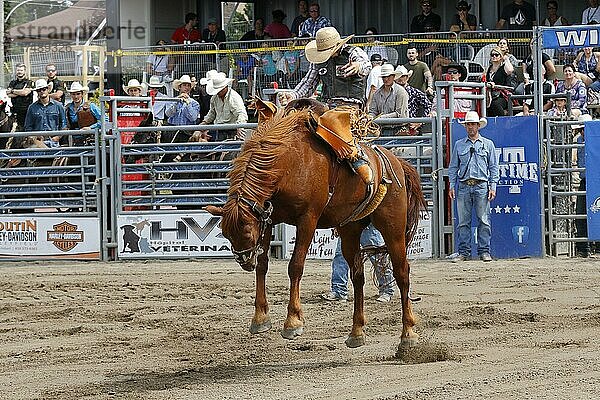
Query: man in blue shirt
{"points": [[45, 114], [474, 174], [186, 110], [82, 114]]}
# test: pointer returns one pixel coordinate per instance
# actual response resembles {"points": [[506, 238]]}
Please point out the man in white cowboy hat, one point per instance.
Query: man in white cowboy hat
{"points": [[341, 68], [81, 114], [473, 174], [45, 114], [158, 106], [419, 104], [134, 88], [391, 99], [186, 110], [226, 107]]}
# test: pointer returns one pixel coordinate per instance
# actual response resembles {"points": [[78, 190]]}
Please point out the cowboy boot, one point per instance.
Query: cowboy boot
{"points": [[363, 169]]}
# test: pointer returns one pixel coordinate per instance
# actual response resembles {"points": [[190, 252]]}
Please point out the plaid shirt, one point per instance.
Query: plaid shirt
{"points": [[311, 26], [417, 100], [308, 84]]}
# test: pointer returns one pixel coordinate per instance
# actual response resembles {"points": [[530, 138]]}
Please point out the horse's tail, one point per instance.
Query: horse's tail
{"points": [[416, 199]]}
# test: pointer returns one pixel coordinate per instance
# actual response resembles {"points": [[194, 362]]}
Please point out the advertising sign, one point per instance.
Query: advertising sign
{"points": [[515, 212], [592, 178], [325, 242], [171, 236], [571, 37], [50, 237]]}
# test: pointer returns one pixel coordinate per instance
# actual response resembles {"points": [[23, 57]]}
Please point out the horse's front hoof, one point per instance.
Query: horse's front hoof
{"points": [[292, 333], [408, 342], [355, 341], [260, 328]]}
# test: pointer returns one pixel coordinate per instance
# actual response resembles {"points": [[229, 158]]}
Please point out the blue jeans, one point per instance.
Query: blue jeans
{"points": [[340, 269], [469, 198]]}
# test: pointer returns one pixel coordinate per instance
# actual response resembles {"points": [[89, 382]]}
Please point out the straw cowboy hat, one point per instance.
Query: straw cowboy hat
{"points": [[155, 82], [326, 44], [184, 79], [77, 87], [582, 119], [472, 116], [402, 71], [133, 83], [217, 82], [209, 75], [462, 70], [387, 70], [42, 83]]}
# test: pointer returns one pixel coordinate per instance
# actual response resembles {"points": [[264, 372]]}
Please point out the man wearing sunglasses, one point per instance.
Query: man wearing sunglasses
{"points": [[45, 114], [427, 21], [58, 87], [314, 22]]}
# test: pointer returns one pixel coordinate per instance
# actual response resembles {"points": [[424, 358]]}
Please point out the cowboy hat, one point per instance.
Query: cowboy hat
{"points": [[582, 119], [472, 116], [209, 75], [133, 83], [560, 96], [77, 87], [387, 70], [217, 82], [155, 82], [327, 42], [402, 71], [184, 79], [42, 83], [463, 4], [461, 70]]}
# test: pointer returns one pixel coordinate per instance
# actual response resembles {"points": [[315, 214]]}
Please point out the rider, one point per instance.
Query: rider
{"points": [[342, 69]]}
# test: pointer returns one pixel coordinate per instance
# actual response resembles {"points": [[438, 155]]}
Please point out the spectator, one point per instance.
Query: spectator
{"points": [[420, 77], [463, 20], [186, 110], [57, 91], [575, 88], [473, 174], [503, 45], [288, 64], [315, 21], [498, 73], [81, 114], [374, 80], [340, 269], [244, 68], [20, 91], [213, 33], [553, 19], [187, 33], [591, 15], [457, 73], [559, 108], [277, 29], [134, 88], [158, 64], [158, 107], [426, 18], [45, 114], [391, 99], [548, 69], [582, 249], [300, 18], [587, 65], [519, 14], [226, 107], [374, 46], [258, 33], [268, 61], [419, 104]]}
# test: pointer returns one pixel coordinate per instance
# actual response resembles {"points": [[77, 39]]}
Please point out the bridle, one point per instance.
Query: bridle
{"points": [[263, 215]]}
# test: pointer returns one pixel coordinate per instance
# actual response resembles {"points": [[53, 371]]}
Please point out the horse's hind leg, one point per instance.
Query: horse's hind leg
{"points": [[350, 236], [294, 323], [261, 321]]}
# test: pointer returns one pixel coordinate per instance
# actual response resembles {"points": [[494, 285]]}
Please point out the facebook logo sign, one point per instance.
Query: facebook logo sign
{"points": [[520, 234]]}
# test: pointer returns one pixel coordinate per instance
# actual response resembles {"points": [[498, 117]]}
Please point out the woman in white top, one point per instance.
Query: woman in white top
{"points": [[591, 15]]}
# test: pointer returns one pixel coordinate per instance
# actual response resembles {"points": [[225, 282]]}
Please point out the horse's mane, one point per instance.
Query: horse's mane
{"points": [[253, 175]]}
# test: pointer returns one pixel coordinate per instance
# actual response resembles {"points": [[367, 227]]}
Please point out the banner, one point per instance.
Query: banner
{"points": [[592, 181], [171, 236], [571, 36], [325, 242], [515, 212], [50, 237]]}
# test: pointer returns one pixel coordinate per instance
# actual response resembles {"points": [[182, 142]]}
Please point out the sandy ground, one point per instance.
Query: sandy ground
{"points": [[525, 329]]}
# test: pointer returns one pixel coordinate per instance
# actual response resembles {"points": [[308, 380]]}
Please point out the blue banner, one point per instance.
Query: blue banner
{"points": [[516, 210], [571, 36], [592, 181]]}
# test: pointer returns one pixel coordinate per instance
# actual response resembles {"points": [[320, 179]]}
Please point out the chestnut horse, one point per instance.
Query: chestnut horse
{"points": [[284, 174]]}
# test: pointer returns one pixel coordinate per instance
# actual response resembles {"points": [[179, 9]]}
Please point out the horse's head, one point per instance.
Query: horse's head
{"points": [[264, 109], [244, 224]]}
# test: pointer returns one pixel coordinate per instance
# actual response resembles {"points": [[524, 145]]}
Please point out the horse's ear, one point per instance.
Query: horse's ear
{"points": [[265, 109], [218, 211]]}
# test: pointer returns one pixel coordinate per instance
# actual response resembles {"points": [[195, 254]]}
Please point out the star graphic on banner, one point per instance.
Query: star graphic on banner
{"points": [[498, 209], [507, 209], [516, 209]]}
